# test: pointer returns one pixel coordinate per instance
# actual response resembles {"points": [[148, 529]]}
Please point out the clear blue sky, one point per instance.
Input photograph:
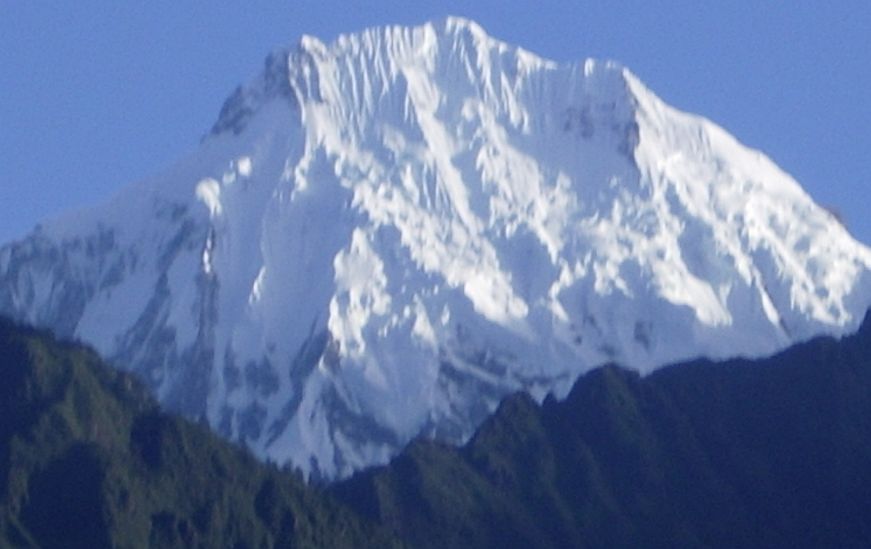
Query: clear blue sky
{"points": [[96, 94]]}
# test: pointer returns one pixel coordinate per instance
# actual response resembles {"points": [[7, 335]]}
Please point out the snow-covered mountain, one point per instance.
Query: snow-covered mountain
{"points": [[385, 235]]}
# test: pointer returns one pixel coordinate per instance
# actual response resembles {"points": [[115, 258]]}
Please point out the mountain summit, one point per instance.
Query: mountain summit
{"points": [[385, 235]]}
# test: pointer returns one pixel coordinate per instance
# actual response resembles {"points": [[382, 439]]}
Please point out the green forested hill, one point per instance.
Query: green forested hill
{"points": [[86, 460], [767, 453]]}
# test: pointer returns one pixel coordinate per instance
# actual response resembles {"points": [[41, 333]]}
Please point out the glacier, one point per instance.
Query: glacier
{"points": [[383, 236]]}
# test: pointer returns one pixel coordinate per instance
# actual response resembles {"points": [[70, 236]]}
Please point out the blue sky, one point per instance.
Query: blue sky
{"points": [[97, 94]]}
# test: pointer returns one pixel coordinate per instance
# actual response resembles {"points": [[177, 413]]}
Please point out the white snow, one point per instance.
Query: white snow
{"points": [[209, 192], [360, 294], [244, 166]]}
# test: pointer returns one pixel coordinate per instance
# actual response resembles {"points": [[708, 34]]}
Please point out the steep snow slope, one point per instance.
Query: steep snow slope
{"points": [[383, 236]]}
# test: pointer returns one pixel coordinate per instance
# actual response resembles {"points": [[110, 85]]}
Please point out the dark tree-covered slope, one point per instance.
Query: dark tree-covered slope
{"points": [[87, 460], [765, 453]]}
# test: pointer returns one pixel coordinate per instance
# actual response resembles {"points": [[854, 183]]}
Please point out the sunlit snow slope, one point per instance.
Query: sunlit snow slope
{"points": [[385, 235]]}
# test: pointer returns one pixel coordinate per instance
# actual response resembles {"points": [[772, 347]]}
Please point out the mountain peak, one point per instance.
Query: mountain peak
{"points": [[386, 234], [375, 62], [460, 23]]}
